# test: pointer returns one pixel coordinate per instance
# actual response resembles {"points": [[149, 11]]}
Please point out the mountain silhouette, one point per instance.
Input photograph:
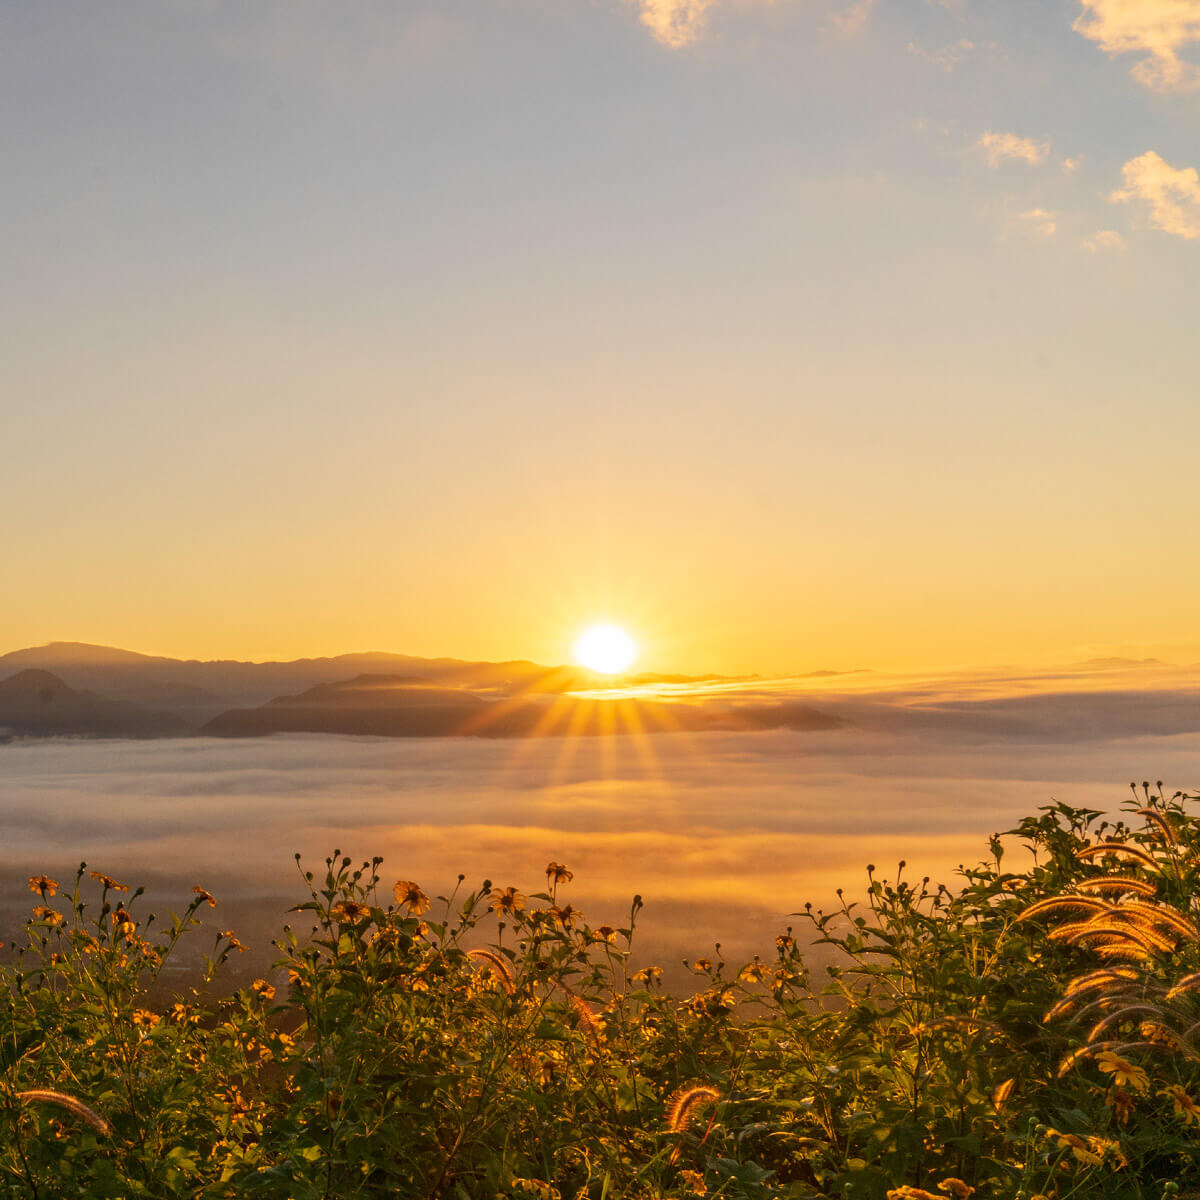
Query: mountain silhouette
{"points": [[37, 703]]}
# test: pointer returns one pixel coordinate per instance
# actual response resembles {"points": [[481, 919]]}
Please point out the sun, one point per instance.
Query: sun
{"points": [[605, 649]]}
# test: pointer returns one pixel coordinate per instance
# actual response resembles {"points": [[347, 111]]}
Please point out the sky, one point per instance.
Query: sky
{"points": [[791, 334]]}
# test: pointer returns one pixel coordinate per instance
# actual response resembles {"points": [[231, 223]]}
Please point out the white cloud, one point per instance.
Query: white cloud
{"points": [[1157, 29], [1104, 239], [675, 23], [1171, 194], [1071, 164], [1042, 222], [999, 147]]}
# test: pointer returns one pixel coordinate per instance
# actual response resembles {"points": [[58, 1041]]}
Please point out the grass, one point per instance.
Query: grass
{"points": [[1029, 1031]]}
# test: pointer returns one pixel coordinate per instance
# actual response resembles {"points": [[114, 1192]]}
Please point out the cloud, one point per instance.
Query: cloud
{"points": [[674, 23], [854, 18], [1157, 29], [1041, 221], [1104, 239], [1070, 165], [947, 57], [999, 147], [1172, 194]]}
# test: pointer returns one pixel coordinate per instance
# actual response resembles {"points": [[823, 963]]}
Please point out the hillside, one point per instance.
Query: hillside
{"points": [[36, 703]]}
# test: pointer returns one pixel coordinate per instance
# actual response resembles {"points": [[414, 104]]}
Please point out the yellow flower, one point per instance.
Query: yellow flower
{"points": [[535, 1187], [349, 911], [956, 1188], [1090, 1151], [753, 972], [232, 939], [263, 990], [556, 873], [507, 903], [785, 942], [604, 933], [1121, 1102], [567, 915], [409, 896], [695, 1182], [143, 1018], [48, 914], [1124, 1073], [109, 882], [648, 975], [43, 885], [205, 896], [702, 966], [906, 1192], [1182, 1103]]}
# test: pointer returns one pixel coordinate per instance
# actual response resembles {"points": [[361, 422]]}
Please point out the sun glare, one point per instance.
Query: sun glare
{"points": [[606, 649]]}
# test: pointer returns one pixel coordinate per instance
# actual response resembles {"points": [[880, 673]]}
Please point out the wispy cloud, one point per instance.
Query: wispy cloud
{"points": [[1004, 147], [1157, 29], [1041, 221], [674, 23], [947, 57], [854, 18], [1171, 194], [1103, 239]]}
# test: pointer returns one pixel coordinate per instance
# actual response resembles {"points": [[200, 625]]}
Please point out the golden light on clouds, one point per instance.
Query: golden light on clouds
{"points": [[1172, 194], [1158, 29]]}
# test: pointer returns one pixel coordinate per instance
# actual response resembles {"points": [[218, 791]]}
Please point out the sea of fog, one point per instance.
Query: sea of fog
{"points": [[724, 835]]}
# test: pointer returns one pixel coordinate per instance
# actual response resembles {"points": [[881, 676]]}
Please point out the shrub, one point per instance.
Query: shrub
{"points": [[495, 1044]]}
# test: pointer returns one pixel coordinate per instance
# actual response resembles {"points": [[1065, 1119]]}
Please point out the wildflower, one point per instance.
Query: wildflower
{"points": [[702, 966], [1184, 1106], [1121, 1102], [205, 896], [753, 972], [907, 1192], [507, 903], [108, 881], [567, 915], [604, 933], [956, 1188], [409, 896], [785, 942], [123, 922], [143, 1018], [556, 873], [43, 885], [349, 910], [648, 975], [48, 914], [695, 1182], [232, 938], [263, 990], [535, 1187], [1124, 1073]]}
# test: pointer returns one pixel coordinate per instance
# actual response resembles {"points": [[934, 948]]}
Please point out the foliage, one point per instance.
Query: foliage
{"points": [[500, 1046]]}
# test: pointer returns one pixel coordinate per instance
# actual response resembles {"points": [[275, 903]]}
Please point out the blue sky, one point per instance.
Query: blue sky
{"points": [[800, 333]]}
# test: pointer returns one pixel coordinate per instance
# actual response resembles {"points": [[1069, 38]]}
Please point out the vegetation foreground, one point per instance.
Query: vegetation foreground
{"points": [[1031, 1032]]}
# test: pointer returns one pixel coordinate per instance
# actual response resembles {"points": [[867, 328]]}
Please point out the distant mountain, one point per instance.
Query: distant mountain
{"points": [[101, 689], [407, 706], [36, 703], [200, 690]]}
